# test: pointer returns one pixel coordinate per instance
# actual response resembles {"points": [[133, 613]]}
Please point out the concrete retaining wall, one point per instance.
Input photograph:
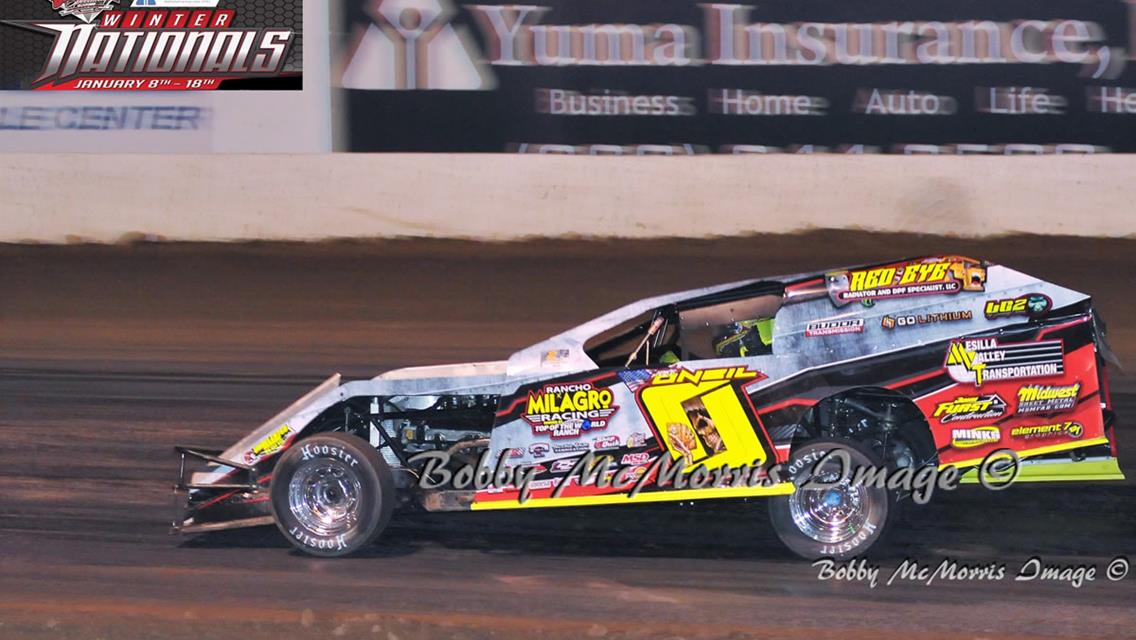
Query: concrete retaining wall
{"points": [[103, 198]]}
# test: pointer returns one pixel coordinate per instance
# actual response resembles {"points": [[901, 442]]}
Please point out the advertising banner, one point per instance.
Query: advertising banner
{"points": [[678, 77], [163, 76]]}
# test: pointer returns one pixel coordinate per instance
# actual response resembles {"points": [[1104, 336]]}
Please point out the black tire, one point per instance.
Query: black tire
{"points": [[332, 494], [823, 528]]}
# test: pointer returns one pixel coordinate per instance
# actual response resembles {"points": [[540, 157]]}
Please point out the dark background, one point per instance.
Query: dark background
{"points": [[493, 121]]}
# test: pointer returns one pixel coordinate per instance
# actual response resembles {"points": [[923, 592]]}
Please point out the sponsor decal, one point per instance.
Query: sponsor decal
{"points": [[965, 408], [636, 440], [539, 449], [975, 437], [566, 410], [553, 356], [605, 442], [517, 452], [934, 277], [1036, 398], [819, 328], [570, 447], [1042, 431], [686, 376], [270, 444], [560, 466], [635, 458], [1031, 305], [191, 48], [984, 360], [892, 322]]}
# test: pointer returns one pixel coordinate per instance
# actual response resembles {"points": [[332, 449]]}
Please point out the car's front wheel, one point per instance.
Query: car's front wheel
{"points": [[830, 516], [332, 494]]}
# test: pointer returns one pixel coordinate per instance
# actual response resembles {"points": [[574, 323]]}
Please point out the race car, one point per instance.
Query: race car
{"points": [[771, 387]]}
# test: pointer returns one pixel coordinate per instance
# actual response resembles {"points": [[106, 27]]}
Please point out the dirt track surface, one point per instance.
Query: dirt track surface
{"points": [[110, 355]]}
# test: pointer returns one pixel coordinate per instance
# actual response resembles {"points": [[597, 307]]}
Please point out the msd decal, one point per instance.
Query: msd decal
{"points": [[175, 45]]}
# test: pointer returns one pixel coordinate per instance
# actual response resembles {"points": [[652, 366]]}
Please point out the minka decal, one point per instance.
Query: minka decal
{"points": [[985, 360], [976, 437]]}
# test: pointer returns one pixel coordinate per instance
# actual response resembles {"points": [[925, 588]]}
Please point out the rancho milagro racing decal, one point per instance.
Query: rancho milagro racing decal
{"points": [[939, 276], [568, 410], [183, 45], [982, 360]]}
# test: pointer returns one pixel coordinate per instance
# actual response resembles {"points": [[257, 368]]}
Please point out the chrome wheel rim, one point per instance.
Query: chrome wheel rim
{"points": [[324, 497], [830, 515]]}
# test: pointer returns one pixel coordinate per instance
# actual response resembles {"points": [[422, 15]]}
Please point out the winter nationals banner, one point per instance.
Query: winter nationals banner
{"points": [[671, 77], [147, 45]]}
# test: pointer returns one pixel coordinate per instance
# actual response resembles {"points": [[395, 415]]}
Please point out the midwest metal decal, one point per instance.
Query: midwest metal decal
{"points": [[155, 49], [1036, 398], [939, 277], [567, 410], [984, 360]]}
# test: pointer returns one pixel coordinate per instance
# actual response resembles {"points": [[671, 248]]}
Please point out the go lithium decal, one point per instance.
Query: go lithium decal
{"points": [[1036, 398], [568, 410], [944, 276], [984, 360], [146, 50], [976, 437], [971, 408]]}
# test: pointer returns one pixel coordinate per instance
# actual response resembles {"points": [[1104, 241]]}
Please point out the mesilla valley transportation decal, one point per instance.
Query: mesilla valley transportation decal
{"points": [[984, 360], [145, 45]]}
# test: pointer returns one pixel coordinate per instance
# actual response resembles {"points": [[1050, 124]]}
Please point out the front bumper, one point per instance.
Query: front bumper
{"points": [[240, 499]]}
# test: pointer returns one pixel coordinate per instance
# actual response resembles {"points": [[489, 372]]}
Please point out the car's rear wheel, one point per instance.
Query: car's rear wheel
{"points": [[332, 494], [839, 520]]}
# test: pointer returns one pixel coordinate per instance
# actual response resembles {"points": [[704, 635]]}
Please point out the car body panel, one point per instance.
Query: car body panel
{"points": [[940, 331]]}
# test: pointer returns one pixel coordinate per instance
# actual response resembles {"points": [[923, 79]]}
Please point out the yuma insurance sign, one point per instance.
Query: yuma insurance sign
{"points": [[588, 76]]}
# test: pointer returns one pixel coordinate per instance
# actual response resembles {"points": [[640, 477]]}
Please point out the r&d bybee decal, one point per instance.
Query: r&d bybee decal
{"points": [[937, 276]]}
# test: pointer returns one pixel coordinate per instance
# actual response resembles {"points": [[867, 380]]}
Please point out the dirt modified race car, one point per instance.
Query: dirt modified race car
{"points": [[932, 362]]}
